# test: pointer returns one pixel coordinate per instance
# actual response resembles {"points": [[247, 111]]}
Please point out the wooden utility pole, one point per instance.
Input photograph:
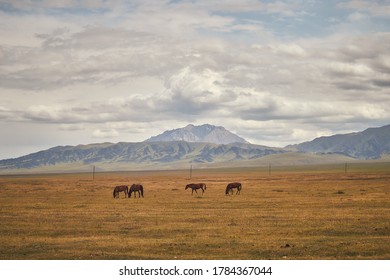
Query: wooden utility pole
{"points": [[93, 172], [269, 169], [345, 168]]}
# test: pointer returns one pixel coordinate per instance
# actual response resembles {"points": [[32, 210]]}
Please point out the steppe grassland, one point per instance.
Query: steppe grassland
{"points": [[288, 214]]}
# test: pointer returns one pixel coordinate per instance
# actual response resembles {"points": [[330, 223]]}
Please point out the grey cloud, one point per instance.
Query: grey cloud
{"points": [[275, 110], [4, 113], [345, 85], [185, 105], [382, 83]]}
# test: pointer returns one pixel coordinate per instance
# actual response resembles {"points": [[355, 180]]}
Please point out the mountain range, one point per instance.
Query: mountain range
{"points": [[177, 148], [371, 143], [143, 155]]}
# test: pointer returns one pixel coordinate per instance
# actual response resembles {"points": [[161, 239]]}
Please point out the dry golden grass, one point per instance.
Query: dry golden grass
{"points": [[288, 215]]}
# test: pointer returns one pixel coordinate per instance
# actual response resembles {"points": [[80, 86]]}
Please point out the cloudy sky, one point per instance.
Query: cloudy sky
{"points": [[274, 72]]}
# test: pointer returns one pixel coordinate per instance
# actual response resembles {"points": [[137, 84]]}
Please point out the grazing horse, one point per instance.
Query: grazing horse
{"points": [[136, 188], [231, 186], [119, 189], [194, 187]]}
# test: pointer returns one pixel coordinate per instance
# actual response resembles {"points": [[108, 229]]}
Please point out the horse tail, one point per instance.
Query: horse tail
{"points": [[141, 188], [113, 193], [239, 187]]}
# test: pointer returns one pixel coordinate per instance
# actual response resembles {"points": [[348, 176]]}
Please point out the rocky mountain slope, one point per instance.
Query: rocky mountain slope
{"points": [[200, 134], [142, 154], [371, 143]]}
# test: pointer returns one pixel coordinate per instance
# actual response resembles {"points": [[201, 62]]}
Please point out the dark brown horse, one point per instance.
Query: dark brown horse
{"points": [[119, 189], [136, 188], [194, 187], [231, 186]]}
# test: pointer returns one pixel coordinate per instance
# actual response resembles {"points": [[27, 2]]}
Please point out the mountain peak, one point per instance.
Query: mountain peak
{"points": [[202, 133]]}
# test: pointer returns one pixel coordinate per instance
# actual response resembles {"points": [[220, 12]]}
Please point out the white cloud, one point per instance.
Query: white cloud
{"points": [[357, 16], [72, 127], [105, 133], [374, 7], [283, 8], [292, 49], [353, 69]]}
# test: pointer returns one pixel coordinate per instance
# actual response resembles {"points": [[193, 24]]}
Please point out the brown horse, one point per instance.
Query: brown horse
{"points": [[194, 187], [136, 188], [119, 189], [231, 186]]}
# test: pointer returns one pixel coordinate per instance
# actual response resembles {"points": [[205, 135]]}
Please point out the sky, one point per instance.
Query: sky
{"points": [[274, 72]]}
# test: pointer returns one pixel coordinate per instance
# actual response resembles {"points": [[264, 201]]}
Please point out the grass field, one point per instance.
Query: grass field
{"points": [[288, 214]]}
